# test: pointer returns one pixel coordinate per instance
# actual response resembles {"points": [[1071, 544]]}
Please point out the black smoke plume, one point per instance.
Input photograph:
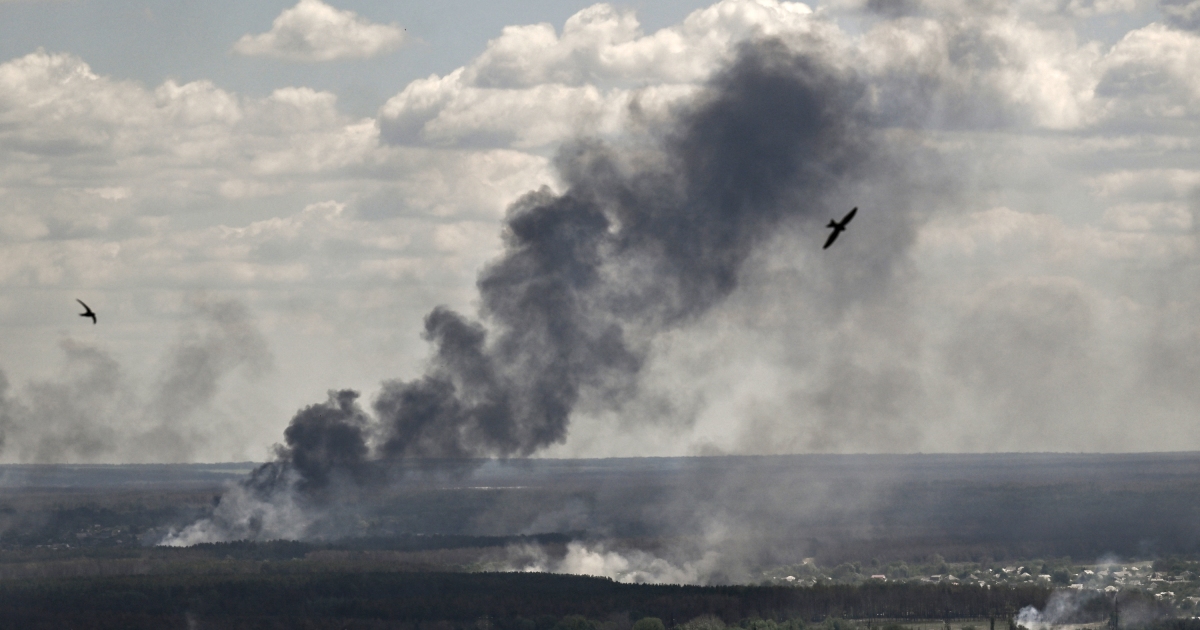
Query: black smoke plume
{"points": [[325, 443], [646, 237], [632, 247]]}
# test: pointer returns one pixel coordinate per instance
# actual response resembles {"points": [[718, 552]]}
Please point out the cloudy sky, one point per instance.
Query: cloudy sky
{"points": [[262, 201]]}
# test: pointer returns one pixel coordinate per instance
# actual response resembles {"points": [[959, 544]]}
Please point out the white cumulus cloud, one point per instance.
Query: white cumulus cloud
{"points": [[533, 87], [315, 31]]}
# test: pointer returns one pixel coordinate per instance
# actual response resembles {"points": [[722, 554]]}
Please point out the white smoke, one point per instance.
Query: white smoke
{"points": [[244, 515], [630, 567], [1062, 608]]}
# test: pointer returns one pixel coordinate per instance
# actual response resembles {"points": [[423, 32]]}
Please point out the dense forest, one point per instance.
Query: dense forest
{"points": [[505, 601]]}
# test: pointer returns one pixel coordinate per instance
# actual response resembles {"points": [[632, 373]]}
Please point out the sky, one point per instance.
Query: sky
{"points": [[263, 201]]}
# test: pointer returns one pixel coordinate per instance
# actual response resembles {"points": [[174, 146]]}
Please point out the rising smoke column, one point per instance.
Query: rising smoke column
{"points": [[637, 244], [646, 237]]}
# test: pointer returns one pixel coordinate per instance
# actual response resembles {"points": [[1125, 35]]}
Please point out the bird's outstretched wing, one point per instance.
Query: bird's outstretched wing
{"points": [[87, 311], [832, 238], [846, 220]]}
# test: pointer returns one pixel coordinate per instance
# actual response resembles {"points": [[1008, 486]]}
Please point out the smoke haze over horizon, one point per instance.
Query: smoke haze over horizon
{"points": [[592, 240]]}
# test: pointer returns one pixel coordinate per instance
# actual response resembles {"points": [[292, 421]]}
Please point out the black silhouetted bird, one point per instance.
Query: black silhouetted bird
{"points": [[839, 227], [87, 311]]}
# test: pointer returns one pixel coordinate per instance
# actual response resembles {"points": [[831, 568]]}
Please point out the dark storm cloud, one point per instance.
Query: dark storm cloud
{"points": [[646, 237]]}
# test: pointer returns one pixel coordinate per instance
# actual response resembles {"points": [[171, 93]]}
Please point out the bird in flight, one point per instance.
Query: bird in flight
{"points": [[838, 227], [87, 311]]}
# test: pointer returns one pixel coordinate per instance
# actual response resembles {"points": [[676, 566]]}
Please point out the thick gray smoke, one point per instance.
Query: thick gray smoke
{"points": [[646, 237], [325, 443], [637, 244]]}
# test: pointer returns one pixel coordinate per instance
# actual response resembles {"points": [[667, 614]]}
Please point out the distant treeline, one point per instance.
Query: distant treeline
{"points": [[292, 549], [475, 601], [966, 508]]}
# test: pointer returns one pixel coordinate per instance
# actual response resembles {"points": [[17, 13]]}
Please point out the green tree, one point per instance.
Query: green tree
{"points": [[760, 624], [574, 622], [704, 622], [844, 572], [649, 623]]}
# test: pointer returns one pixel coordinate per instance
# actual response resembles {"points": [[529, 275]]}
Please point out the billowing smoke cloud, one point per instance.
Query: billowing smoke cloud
{"points": [[93, 413], [325, 443], [646, 237], [638, 243]]}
